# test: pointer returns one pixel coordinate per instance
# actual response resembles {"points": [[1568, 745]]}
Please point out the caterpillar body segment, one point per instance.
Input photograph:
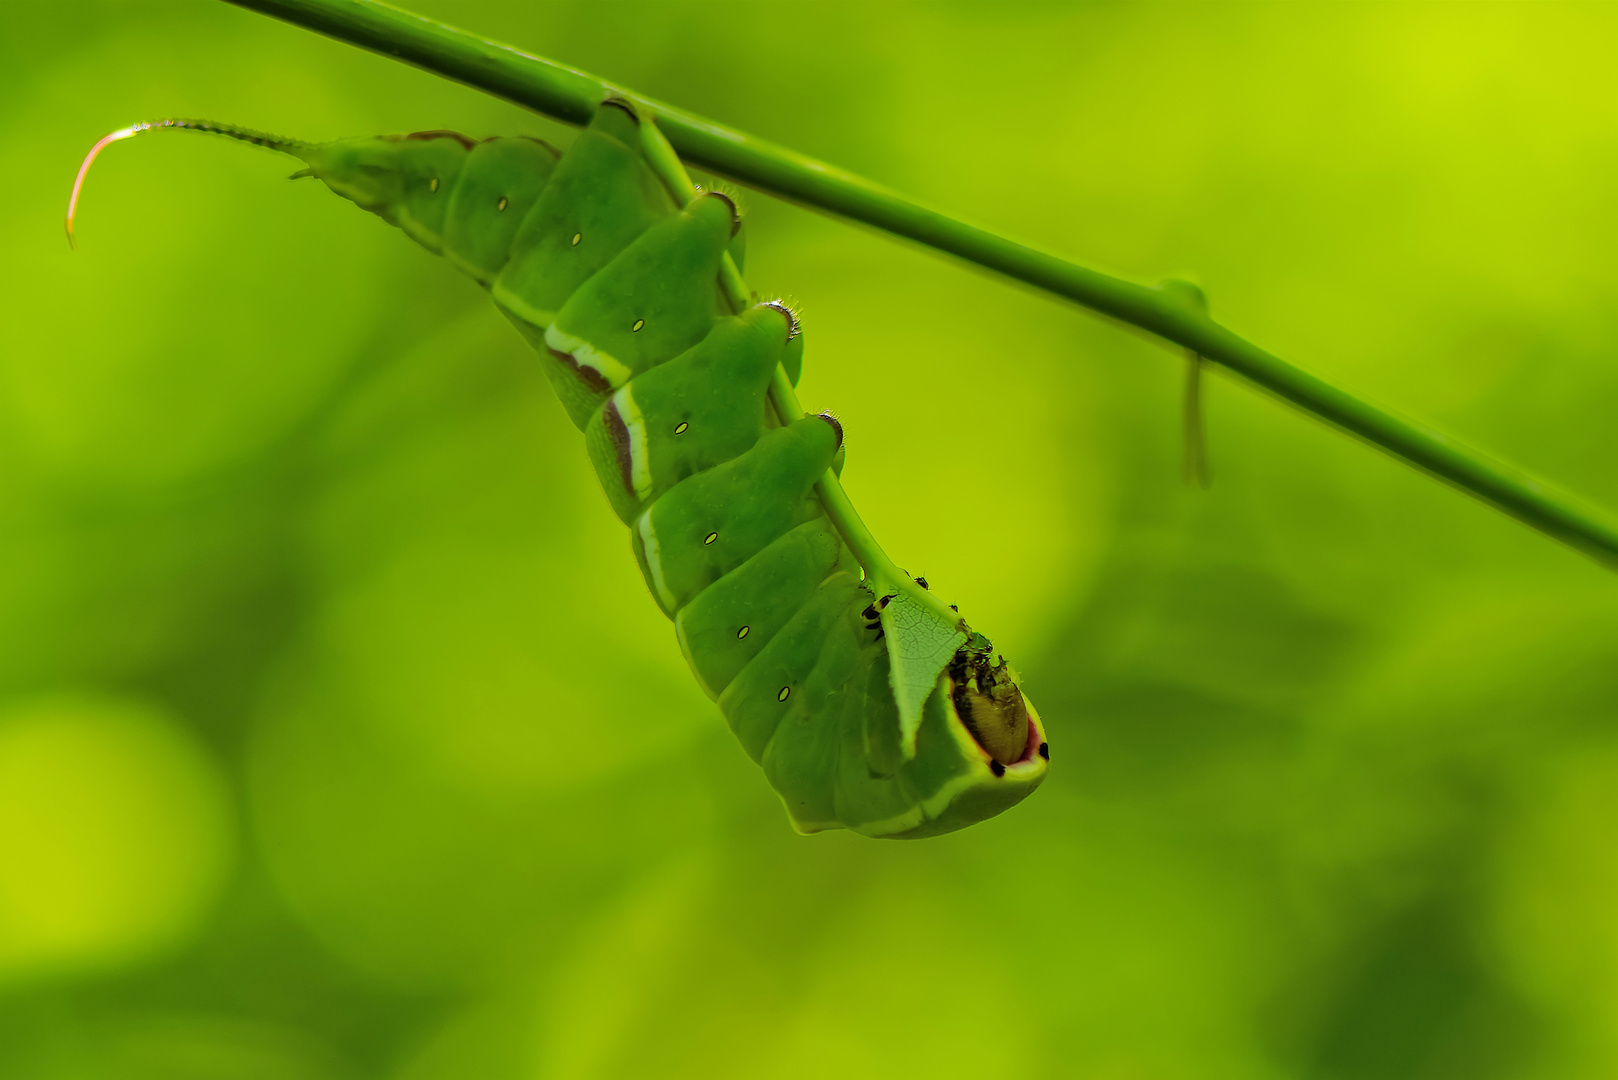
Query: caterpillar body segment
{"points": [[709, 401], [602, 196], [716, 503], [654, 300], [619, 289], [476, 240]]}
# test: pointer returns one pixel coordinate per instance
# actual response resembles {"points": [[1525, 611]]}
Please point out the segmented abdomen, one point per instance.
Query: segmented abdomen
{"points": [[589, 256]]}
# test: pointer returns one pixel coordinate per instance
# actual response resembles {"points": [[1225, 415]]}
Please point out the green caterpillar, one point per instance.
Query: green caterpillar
{"points": [[867, 705]]}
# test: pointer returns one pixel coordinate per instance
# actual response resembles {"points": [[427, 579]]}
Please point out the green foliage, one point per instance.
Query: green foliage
{"points": [[305, 576]]}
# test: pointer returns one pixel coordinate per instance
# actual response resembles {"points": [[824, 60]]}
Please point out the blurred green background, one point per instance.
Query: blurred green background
{"points": [[339, 737]]}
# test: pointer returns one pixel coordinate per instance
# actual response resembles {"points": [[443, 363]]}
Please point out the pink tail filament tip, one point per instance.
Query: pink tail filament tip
{"points": [[84, 168]]}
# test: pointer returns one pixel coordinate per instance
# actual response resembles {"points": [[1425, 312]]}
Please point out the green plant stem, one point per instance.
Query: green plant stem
{"points": [[571, 96]]}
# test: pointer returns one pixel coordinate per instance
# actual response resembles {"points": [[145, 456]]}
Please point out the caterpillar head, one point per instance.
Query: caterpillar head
{"points": [[989, 701]]}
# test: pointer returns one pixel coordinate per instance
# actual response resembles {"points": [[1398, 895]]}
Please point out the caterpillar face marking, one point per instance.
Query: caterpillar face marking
{"points": [[675, 402], [991, 705]]}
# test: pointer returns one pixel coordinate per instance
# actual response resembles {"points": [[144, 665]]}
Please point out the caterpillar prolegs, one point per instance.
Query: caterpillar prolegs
{"points": [[862, 714]]}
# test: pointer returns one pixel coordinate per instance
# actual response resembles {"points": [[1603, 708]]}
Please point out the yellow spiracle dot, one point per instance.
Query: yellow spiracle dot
{"points": [[638, 324], [432, 185], [710, 538], [576, 238], [681, 428], [742, 632], [782, 696], [501, 205]]}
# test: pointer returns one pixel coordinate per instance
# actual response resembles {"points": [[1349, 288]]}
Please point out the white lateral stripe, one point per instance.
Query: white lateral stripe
{"points": [[640, 464], [587, 355], [516, 305], [654, 561]]}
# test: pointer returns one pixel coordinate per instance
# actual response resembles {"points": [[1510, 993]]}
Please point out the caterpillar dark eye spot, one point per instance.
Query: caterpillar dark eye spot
{"points": [[742, 632], [997, 768], [638, 324], [955, 609], [501, 205], [681, 428], [432, 185], [576, 238], [710, 538], [785, 691], [870, 611], [1045, 751]]}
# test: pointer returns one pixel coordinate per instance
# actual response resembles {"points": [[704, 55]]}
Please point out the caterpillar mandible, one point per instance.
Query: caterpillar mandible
{"points": [[625, 279]]}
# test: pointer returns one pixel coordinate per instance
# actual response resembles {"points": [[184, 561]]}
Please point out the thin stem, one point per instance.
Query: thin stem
{"points": [[1195, 434], [571, 96]]}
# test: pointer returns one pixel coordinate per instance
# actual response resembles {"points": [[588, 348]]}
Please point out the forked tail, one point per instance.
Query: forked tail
{"points": [[257, 138]]}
